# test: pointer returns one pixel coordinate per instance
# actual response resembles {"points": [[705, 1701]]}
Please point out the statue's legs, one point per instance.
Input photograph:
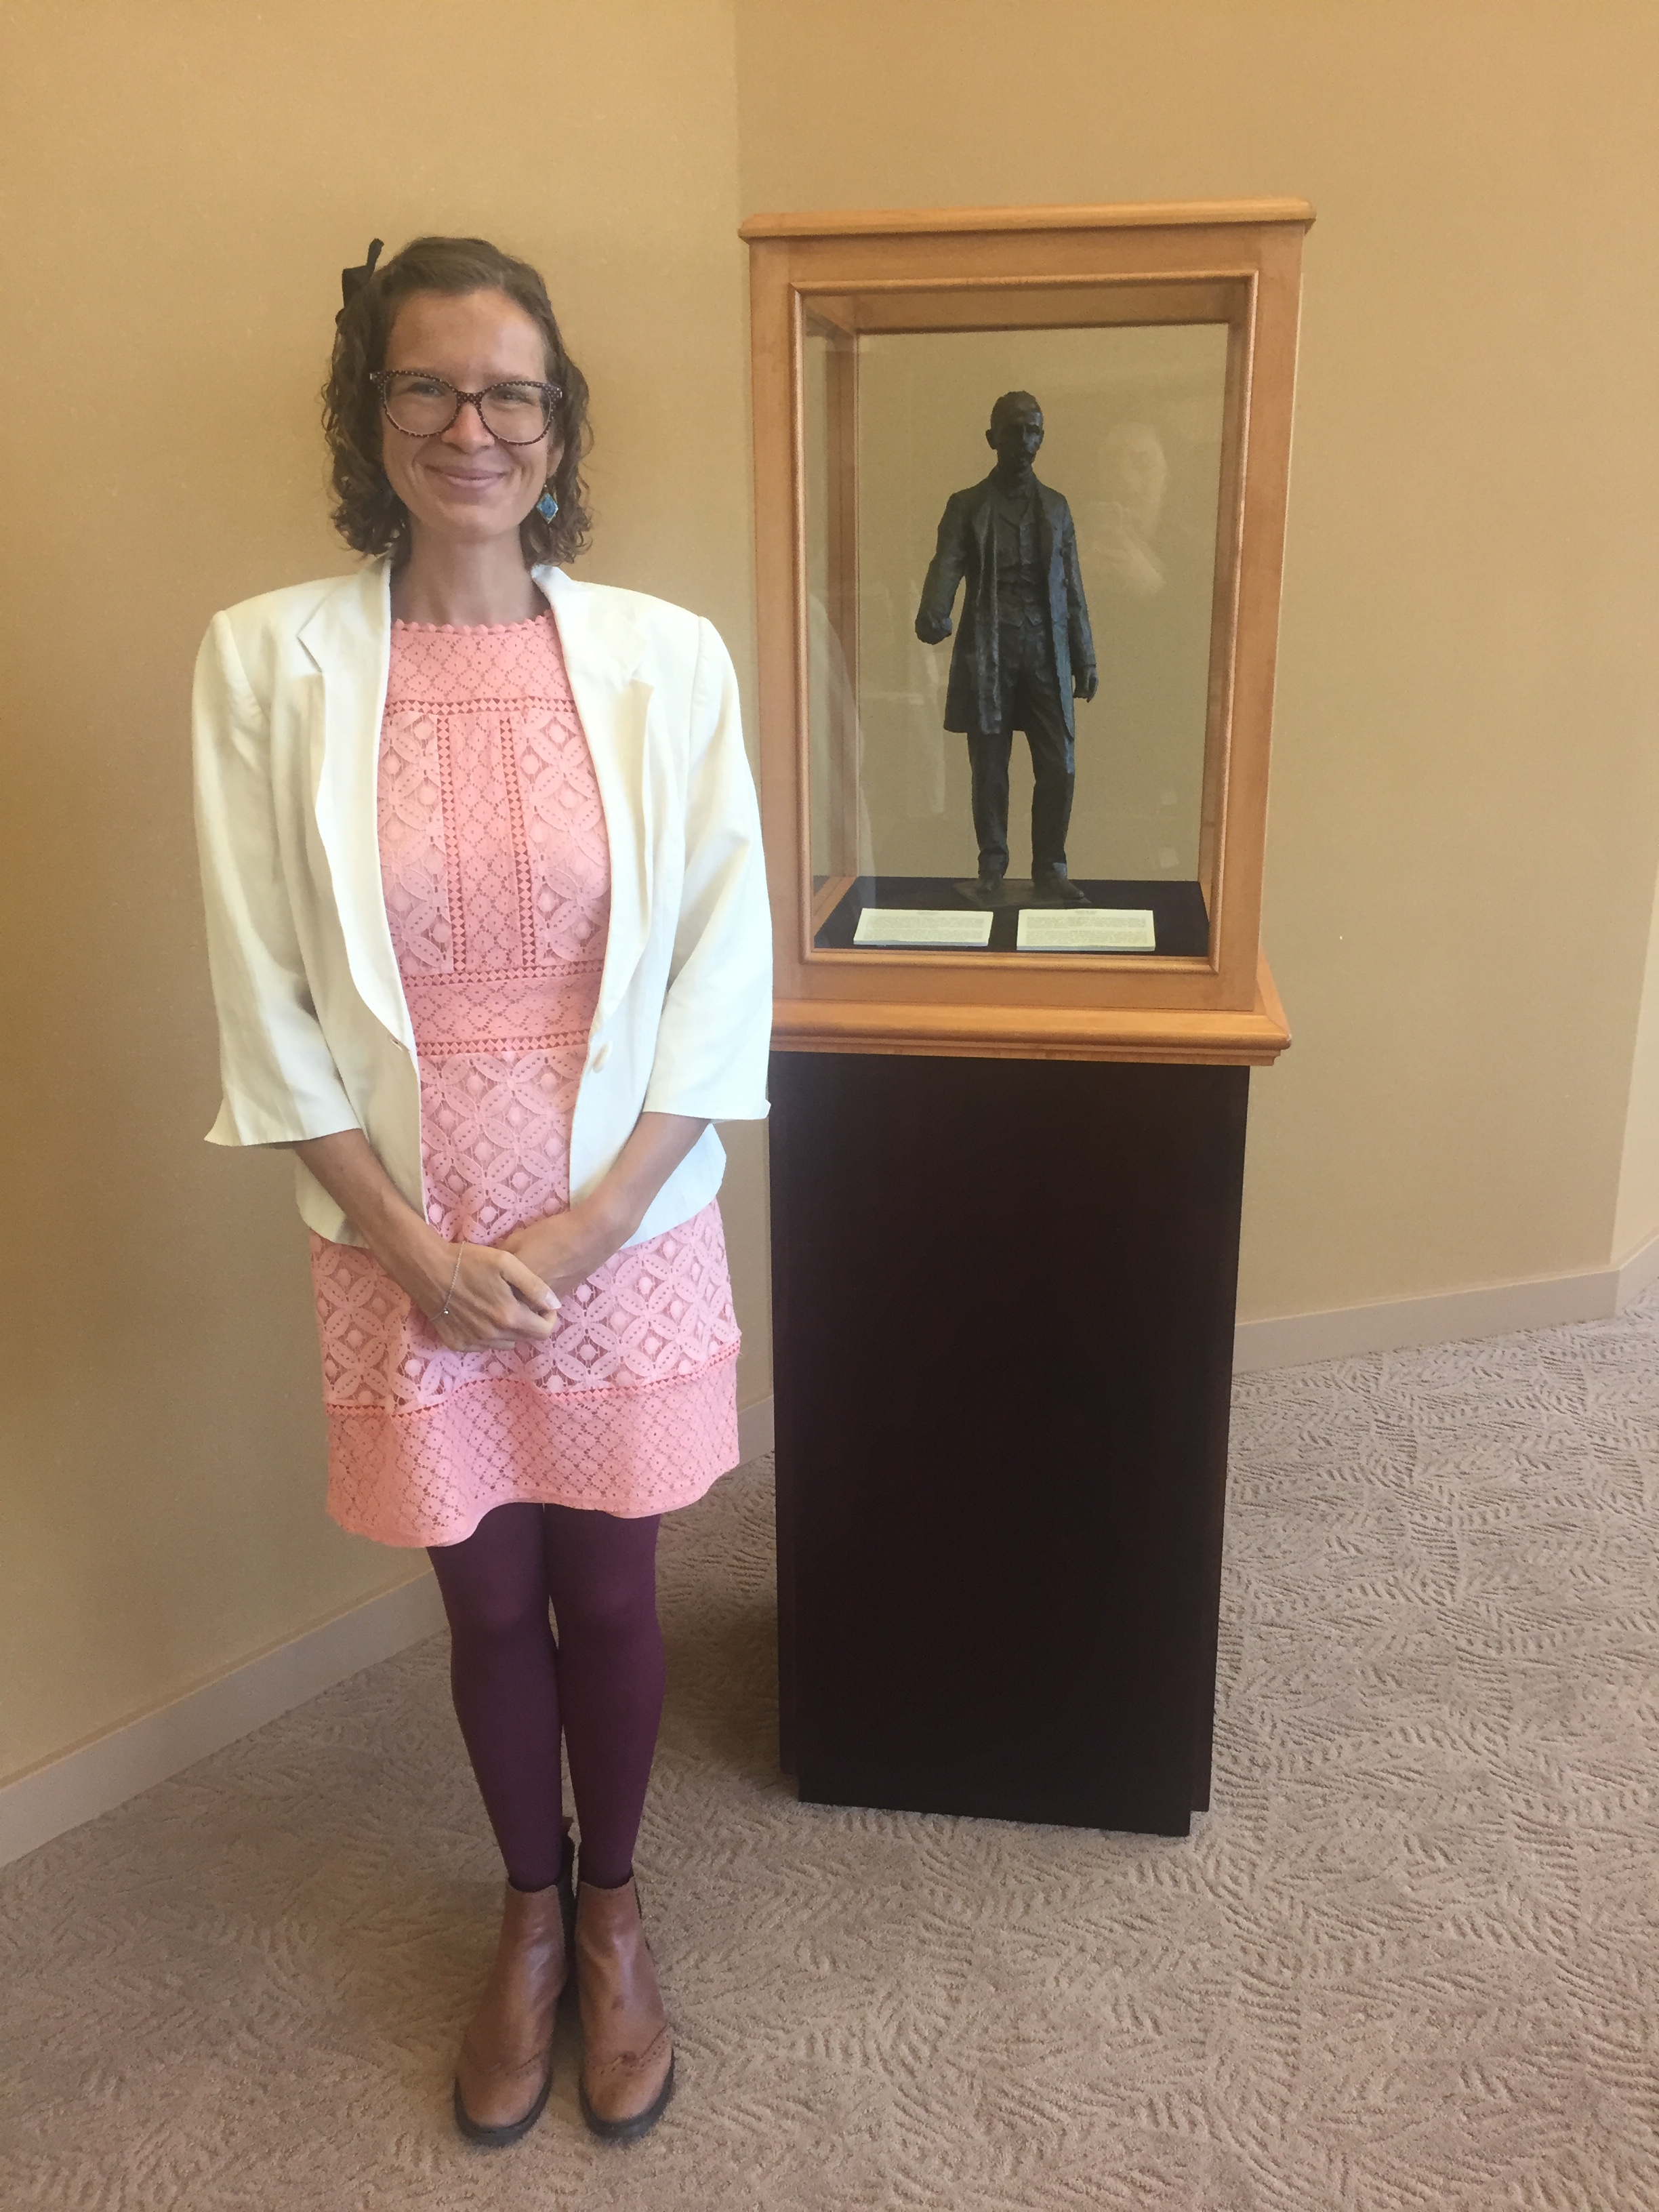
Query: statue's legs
{"points": [[987, 753], [1030, 700], [1043, 717]]}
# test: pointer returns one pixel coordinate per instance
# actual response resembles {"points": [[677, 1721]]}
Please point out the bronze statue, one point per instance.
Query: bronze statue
{"points": [[1024, 650]]}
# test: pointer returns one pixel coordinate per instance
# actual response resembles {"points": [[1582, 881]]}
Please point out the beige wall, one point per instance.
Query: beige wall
{"points": [[1466, 785], [1462, 863], [187, 179]]}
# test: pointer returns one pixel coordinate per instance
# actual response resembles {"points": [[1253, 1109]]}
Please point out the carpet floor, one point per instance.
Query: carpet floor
{"points": [[1410, 1960]]}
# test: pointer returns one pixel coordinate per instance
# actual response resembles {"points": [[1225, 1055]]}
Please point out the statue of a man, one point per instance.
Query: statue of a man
{"points": [[1024, 650]]}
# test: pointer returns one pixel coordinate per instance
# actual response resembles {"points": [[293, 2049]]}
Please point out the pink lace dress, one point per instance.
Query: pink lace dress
{"points": [[497, 874]]}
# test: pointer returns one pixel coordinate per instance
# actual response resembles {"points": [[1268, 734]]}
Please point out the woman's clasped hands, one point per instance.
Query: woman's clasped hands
{"points": [[493, 1301], [508, 1293]]}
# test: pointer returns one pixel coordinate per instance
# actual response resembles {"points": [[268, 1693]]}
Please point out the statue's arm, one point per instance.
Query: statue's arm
{"points": [[938, 591], [1085, 679]]}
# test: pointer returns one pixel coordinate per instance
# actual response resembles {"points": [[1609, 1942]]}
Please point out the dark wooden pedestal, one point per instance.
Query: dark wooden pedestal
{"points": [[1004, 1298]]}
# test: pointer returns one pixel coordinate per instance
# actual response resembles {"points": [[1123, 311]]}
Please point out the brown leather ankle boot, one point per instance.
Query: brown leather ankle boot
{"points": [[627, 2062], [505, 2070]]}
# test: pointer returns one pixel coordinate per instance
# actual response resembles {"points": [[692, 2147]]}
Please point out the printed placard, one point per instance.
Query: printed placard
{"points": [[1087, 929], [898, 925]]}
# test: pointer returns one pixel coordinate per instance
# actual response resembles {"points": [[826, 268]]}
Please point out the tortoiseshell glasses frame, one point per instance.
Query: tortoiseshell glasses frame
{"points": [[548, 394]]}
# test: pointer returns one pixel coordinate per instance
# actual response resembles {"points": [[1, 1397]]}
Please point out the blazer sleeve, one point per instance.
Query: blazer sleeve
{"points": [[715, 1032], [279, 1078]]}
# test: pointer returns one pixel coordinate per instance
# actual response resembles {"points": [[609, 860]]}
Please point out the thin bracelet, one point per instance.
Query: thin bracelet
{"points": [[460, 1254]]}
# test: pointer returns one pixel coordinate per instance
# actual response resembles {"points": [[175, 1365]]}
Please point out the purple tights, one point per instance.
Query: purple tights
{"points": [[516, 1688]]}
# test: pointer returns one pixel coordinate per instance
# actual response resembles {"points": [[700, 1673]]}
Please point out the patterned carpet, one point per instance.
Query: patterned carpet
{"points": [[1411, 1960]]}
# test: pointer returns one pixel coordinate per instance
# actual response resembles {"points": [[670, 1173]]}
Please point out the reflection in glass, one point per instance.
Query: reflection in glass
{"points": [[892, 424]]}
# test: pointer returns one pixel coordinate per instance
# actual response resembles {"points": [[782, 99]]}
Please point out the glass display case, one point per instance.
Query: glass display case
{"points": [[1020, 478]]}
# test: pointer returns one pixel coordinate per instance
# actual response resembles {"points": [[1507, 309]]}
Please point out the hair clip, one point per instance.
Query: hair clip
{"points": [[352, 281]]}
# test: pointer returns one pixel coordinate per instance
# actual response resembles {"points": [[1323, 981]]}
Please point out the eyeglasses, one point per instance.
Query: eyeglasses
{"points": [[517, 413]]}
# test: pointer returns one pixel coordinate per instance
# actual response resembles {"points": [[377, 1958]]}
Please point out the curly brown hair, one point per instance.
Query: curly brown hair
{"points": [[368, 513]]}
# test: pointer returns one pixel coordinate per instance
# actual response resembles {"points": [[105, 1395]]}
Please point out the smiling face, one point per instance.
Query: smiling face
{"points": [[462, 485]]}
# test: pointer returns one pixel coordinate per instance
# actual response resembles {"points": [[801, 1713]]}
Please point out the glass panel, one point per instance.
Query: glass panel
{"points": [[893, 424]]}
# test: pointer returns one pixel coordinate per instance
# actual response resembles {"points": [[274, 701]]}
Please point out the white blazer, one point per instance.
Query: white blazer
{"points": [[314, 1031]]}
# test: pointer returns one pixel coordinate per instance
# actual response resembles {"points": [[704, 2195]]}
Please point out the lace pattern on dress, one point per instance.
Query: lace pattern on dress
{"points": [[495, 870]]}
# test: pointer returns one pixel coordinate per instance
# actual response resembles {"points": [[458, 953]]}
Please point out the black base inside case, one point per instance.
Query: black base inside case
{"points": [[1181, 926]]}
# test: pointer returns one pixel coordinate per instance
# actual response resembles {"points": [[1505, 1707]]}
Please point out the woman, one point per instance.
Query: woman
{"points": [[489, 944]]}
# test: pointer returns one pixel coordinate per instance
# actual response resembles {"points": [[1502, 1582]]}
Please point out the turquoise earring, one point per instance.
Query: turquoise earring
{"points": [[547, 506]]}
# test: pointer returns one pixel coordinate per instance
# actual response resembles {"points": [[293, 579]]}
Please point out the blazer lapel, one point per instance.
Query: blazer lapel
{"points": [[603, 647], [980, 517], [987, 631], [1048, 503], [349, 638]]}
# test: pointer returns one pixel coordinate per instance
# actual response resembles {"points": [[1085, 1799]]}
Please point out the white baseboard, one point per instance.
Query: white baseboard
{"points": [[96, 1776], [1637, 1274], [754, 1430], [1449, 1317], [117, 1765]]}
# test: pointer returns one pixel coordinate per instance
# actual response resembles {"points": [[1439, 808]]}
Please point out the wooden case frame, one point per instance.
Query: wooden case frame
{"points": [[1236, 262]]}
